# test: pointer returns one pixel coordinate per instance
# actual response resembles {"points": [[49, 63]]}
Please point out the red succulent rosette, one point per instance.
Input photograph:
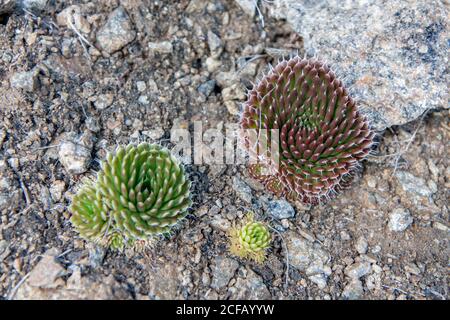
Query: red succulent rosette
{"points": [[322, 136]]}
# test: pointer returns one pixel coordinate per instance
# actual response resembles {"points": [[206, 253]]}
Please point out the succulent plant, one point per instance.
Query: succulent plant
{"points": [[250, 239], [322, 135], [140, 191], [90, 214]]}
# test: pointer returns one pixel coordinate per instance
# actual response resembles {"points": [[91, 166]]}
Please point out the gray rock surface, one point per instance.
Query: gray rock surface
{"points": [[392, 54], [34, 4], [9, 194], [160, 47], [117, 32], [250, 287], [308, 257], [215, 44], [73, 15], [164, 282], [361, 245], [207, 87], [76, 288], [353, 290], [103, 101], [223, 271], [96, 255], [399, 220], [412, 184], [280, 209], [243, 191], [248, 6], [358, 270], [26, 80]]}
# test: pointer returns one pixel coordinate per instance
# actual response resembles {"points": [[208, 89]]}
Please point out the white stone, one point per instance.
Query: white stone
{"points": [[399, 220]]}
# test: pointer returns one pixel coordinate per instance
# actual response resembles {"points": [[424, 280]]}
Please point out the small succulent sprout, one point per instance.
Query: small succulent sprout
{"points": [[141, 191], [250, 240], [322, 135]]}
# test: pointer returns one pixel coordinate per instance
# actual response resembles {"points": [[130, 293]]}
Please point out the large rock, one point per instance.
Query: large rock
{"points": [[243, 191], [248, 6], [392, 54], [358, 270], [117, 32]]}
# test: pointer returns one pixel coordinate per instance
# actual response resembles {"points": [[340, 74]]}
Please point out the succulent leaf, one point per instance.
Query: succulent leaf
{"points": [[322, 135], [140, 191]]}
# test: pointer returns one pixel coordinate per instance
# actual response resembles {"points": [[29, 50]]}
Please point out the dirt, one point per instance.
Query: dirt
{"points": [[71, 78]]}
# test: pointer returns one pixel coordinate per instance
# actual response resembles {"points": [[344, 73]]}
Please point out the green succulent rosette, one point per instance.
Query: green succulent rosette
{"points": [[141, 191], [250, 240]]}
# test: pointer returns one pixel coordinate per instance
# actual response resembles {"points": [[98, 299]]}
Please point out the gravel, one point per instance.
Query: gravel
{"points": [[207, 88]]}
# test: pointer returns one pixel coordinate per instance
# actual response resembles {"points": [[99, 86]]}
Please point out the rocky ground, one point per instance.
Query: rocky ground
{"points": [[79, 77]]}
